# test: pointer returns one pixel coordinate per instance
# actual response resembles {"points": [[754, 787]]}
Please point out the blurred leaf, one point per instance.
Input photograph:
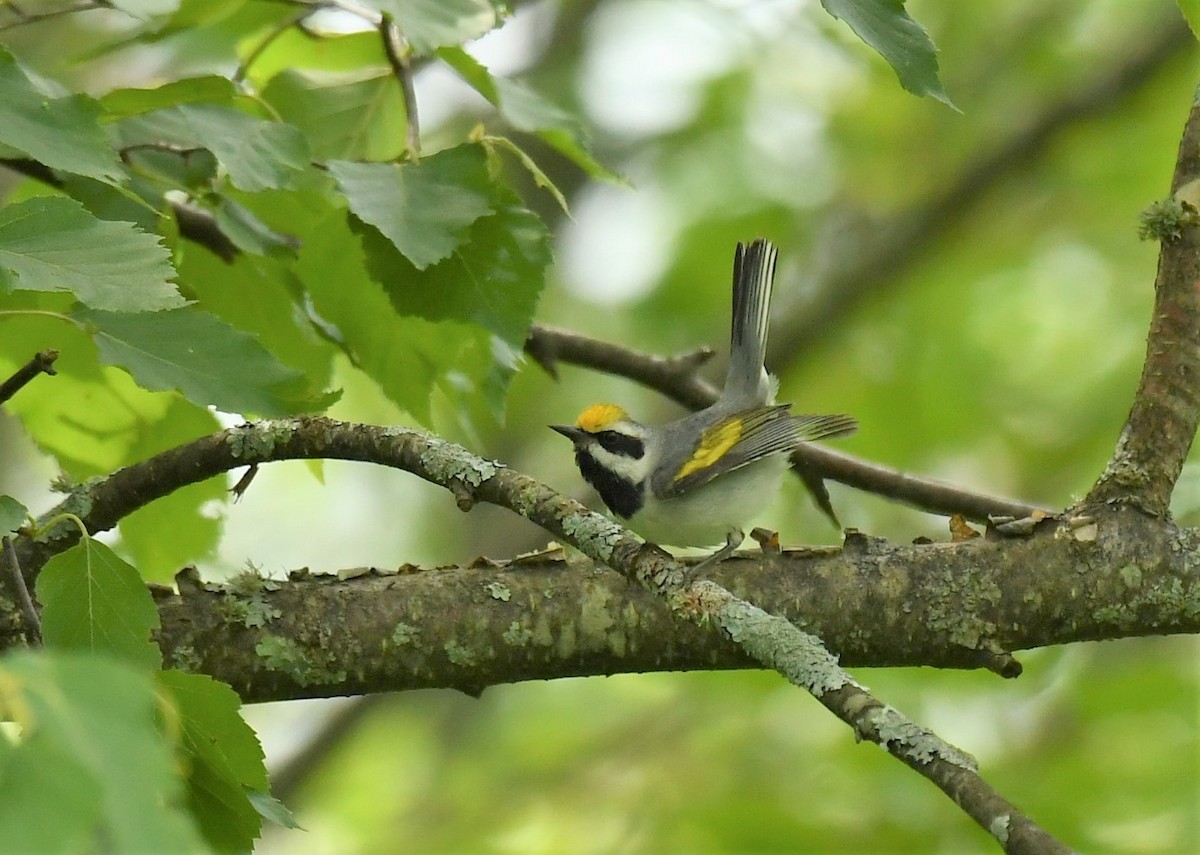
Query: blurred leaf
{"points": [[94, 601], [196, 353], [91, 771], [430, 24], [887, 27], [528, 111], [53, 244], [194, 533], [249, 233], [1191, 11], [423, 208], [62, 133], [540, 178], [272, 809], [493, 279], [145, 9], [12, 515], [257, 154], [224, 760], [210, 89], [357, 116]]}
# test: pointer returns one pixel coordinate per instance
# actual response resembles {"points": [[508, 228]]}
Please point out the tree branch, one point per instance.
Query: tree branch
{"points": [[40, 363], [1166, 408], [677, 378]]}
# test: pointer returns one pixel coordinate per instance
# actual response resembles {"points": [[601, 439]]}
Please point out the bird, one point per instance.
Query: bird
{"points": [[699, 479]]}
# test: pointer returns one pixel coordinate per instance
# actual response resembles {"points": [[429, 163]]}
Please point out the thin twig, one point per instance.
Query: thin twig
{"points": [[41, 363], [398, 56], [278, 30], [676, 378], [33, 623]]}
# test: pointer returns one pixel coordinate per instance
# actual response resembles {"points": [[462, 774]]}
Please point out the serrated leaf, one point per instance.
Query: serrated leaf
{"points": [[344, 116], [51, 243], [526, 110], [431, 24], [62, 133], [257, 154], [272, 809], [224, 760], [92, 771], [540, 178], [492, 280], [886, 26], [198, 354], [423, 209], [12, 515], [249, 233], [94, 601]]}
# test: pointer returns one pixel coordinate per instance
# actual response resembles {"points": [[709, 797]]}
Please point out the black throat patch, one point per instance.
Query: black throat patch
{"points": [[622, 496]]}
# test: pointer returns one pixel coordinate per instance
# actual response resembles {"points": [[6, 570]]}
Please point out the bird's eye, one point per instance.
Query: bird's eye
{"points": [[620, 443]]}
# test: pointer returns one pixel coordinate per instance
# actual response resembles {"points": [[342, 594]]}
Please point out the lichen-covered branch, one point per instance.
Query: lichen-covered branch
{"points": [[1166, 409]]}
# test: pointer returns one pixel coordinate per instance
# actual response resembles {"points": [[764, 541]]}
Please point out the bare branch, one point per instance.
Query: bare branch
{"points": [[1166, 408], [399, 59], [33, 623], [41, 363]]}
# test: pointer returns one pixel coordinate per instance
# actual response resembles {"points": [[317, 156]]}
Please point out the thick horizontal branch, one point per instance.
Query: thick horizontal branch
{"points": [[945, 605]]}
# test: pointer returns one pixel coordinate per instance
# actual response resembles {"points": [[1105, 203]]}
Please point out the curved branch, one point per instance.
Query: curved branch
{"points": [[1166, 408], [676, 378]]}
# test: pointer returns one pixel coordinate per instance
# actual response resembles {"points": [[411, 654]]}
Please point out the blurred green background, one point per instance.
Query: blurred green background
{"points": [[969, 284]]}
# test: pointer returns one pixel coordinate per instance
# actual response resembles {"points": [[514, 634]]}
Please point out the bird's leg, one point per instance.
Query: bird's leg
{"points": [[732, 541]]}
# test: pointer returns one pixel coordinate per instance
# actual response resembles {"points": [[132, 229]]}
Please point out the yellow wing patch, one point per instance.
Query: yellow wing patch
{"points": [[714, 444], [597, 417]]}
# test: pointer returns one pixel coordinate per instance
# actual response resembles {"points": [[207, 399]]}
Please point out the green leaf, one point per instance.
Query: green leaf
{"points": [[210, 89], [527, 111], [224, 760], [52, 244], [492, 280], [430, 24], [272, 809], [540, 178], [249, 233], [94, 601], [194, 533], [200, 355], [1191, 13], [146, 9], [91, 771], [887, 27], [61, 133], [424, 208], [357, 116], [12, 515], [257, 154]]}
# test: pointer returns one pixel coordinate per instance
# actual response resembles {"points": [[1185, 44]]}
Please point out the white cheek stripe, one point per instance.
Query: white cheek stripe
{"points": [[633, 470]]}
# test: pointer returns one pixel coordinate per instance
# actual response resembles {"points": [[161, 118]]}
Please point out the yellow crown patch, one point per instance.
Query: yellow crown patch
{"points": [[597, 417]]}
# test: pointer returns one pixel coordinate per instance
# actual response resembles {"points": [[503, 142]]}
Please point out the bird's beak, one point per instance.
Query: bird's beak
{"points": [[572, 433]]}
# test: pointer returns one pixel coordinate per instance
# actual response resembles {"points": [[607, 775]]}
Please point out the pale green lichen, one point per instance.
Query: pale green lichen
{"points": [[404, 634], [258, 441], [908, 738], [245, 599], [498, 591], [1166, 219], [517, 635], [307, 667], [999, 827], [185, 657], [458, 654], [1131, 575]]}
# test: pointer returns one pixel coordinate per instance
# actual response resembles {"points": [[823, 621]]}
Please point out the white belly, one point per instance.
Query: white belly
{"points": [[705, 516]]}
